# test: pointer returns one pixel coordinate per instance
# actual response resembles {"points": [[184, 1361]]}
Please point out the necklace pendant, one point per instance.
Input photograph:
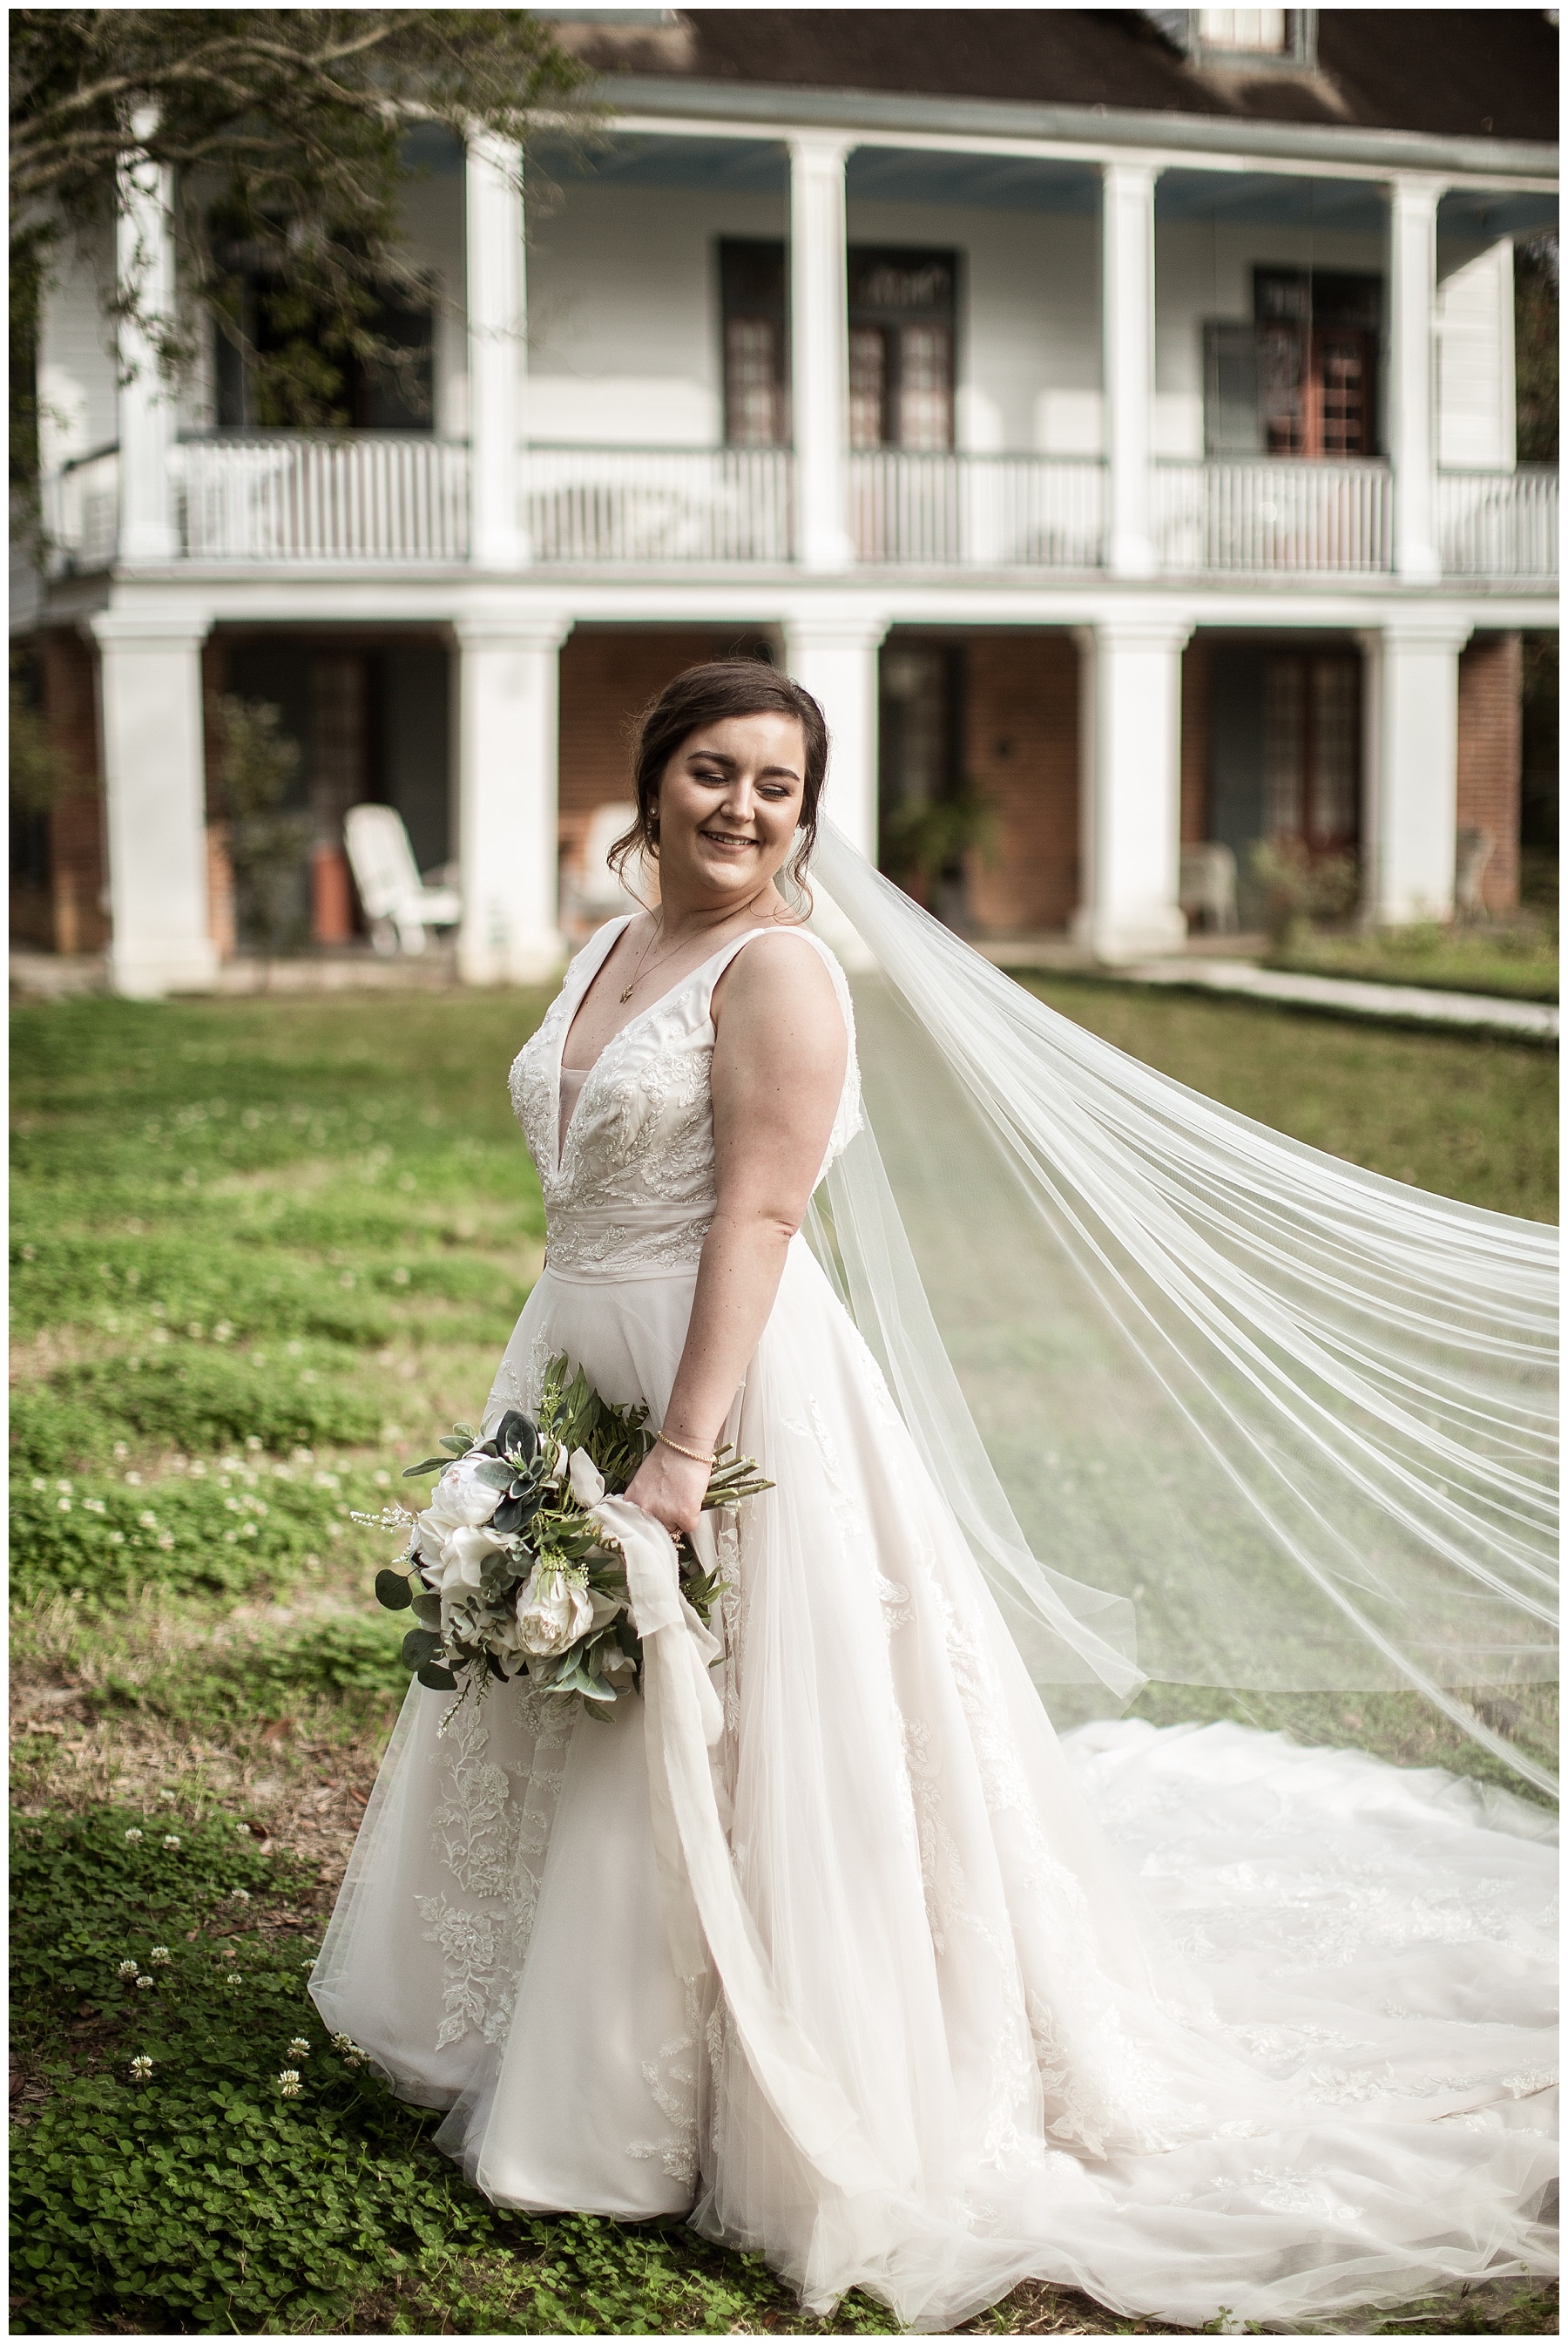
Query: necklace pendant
{"points": [[629, 990]]}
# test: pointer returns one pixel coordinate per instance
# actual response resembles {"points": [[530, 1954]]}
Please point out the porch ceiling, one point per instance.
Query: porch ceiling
{"points": [[753, 166], [989, 182], [1262, 199]]}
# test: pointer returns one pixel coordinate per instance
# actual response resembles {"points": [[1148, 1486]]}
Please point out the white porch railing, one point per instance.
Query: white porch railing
{"points": [[81, 512], [1292, 514], [977, 512], [657, 504], [372, 496], [1499, 524]]}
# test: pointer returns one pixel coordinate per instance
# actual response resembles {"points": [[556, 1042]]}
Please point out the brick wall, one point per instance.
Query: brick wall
{"points": [[1490, 677], [1195, 682], [78, 870], [607, 675], [1021, 733]]}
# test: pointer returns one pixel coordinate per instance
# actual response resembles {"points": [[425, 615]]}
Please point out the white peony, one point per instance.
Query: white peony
{"points": [[553, 1611], [587, 1481], [460, 1501], [451, 1537]]}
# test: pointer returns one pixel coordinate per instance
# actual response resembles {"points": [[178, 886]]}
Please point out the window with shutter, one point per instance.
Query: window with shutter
{"points": [[1300, 380], [901, 347]]}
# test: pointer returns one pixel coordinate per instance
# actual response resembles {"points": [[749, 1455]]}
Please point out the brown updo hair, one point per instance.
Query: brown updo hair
{"points": [[705, 695]]}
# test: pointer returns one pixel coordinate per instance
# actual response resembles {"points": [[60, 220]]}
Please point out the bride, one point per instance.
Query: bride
{"points": [[860, 1966]]}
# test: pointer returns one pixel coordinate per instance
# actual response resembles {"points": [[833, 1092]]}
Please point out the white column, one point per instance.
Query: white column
{"points": [[508, 756], [1127, 329], [1412, 700], [834, 655], [497, 326], [145, 268], [1131, 785], [818, 348], [1412, 374], [154, 791]]}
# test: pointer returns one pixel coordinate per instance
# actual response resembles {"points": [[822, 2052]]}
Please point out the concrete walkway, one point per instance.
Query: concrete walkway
{"points": [[1350, 996]]}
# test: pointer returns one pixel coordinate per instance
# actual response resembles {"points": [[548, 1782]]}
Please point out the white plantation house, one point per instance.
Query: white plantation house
{"points": [[1108, 412]]}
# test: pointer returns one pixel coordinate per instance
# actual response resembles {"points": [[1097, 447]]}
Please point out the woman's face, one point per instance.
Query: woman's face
{"points": [[729, 805]]}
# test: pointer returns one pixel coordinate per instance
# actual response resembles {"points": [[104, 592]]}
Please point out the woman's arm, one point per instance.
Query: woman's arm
{"points": [[777, 1073]]}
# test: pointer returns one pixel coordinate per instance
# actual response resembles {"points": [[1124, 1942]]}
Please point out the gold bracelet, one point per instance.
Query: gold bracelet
{"points": [[695, 1454]]}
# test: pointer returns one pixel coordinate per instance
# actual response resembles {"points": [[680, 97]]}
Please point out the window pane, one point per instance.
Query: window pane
{"points": [[753, 400], [1284, 731], [925, 387], [1340, 375], [1336, 751], [867, 386]]}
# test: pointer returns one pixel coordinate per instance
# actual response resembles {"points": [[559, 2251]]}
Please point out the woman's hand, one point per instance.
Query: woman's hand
{"points": [[670, 1488]]}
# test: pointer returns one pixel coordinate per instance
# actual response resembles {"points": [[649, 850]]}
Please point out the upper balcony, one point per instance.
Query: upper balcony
{"points": [[824, 360]]}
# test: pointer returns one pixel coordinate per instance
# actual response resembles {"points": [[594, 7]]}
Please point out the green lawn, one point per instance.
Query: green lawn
{"points": [[261, 1252], [1518, 960]]}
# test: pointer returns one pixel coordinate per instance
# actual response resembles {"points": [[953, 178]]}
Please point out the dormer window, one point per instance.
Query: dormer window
{"points": [[1244, 36], [1261, 31]]}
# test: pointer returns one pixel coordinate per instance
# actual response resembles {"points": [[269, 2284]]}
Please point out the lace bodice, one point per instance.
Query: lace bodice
{"points": [[629, 1187]]}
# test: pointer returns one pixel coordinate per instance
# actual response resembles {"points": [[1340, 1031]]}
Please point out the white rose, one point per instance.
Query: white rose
{"points": [[553, 1611], [587, 1481]]}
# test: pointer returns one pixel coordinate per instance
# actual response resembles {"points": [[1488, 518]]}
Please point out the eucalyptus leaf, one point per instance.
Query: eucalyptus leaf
{"points": [[436, 1679], [393, 1590], [428, 1611], [419, 1645]]}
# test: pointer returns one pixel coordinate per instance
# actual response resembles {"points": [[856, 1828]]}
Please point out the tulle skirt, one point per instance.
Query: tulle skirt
{"points": [[1200, 2021]]}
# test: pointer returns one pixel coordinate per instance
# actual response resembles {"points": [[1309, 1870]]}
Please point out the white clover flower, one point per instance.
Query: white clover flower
{"points": [[160, 1956], [344, 2043], [144, 1980], [288, 2083], [39, 1482], [126, 1969], [147, 1519], [308, 1963], [240, 1896], [171, 1839], [132, 1836], [243, 1830], [299, 2048], [141, 2068], [234, 1977]]}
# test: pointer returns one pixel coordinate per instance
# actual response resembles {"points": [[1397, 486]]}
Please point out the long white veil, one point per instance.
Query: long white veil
{"points": [[1215, 1409]]}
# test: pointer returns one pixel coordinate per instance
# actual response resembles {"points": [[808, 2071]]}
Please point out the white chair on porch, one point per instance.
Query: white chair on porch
{"points": [[398, 904]]}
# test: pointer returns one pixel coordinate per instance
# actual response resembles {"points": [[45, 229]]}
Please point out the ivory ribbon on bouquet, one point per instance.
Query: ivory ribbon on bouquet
{"points": [[697, 1874]]}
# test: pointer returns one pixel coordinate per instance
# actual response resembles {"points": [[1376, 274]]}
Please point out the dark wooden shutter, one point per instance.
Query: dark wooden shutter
{"points": [[1232, 422]]}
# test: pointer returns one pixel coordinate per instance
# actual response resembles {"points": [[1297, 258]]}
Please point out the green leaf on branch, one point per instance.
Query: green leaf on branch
{"points": [[393, 1590], [420, 1645]]}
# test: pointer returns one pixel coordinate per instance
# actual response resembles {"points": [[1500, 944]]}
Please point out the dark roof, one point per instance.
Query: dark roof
{"points": [[1457, 72]]}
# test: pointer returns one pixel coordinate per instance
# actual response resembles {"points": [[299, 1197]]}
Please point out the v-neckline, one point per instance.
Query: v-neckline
{"points": [[570, 1019]]}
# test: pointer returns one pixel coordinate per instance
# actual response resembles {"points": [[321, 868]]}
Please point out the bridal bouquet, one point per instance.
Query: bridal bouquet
{"points": [[508, 1572]]}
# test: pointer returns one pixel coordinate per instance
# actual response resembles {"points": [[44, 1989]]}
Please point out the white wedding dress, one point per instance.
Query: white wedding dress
{"points": [[1197, 2020]]}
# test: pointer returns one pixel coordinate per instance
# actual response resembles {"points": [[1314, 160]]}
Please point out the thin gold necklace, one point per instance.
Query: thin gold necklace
{"points": [[636, 973]]}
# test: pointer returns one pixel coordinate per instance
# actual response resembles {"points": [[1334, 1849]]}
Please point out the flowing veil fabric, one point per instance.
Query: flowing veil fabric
{"points": [[1211, 1405]]}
